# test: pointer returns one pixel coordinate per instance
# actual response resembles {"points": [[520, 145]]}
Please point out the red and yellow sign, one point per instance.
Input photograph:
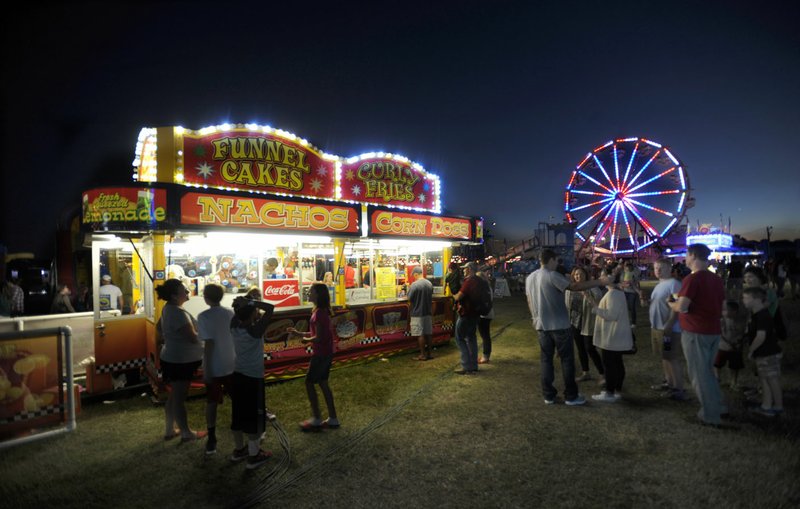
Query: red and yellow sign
{"points": [[389, 181], [124, 205], [217, 210], [384, 222], [253, 160], [281, 292]]}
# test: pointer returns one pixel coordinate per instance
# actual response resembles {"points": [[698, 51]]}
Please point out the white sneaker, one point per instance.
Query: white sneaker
{"points": [[605, 397]]}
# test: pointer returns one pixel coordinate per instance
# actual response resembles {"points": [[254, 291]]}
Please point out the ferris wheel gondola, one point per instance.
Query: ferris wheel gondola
{"points": [[627, 195]]}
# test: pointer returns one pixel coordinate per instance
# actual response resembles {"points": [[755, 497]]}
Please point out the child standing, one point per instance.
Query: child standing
{"points": [[321, 338], [214, 329], [730, 343], [247, 400], [764, 349]]}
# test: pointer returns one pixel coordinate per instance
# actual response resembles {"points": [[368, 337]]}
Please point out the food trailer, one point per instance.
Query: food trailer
{"points": [[249, 206]]}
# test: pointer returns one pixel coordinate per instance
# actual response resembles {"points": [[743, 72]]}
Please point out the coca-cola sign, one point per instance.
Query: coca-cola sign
{"points": [[281, 292]]}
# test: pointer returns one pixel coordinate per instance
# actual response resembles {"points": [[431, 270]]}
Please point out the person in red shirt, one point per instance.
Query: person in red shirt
{"points": [[699, 308], [467, 323], [321, 338]]}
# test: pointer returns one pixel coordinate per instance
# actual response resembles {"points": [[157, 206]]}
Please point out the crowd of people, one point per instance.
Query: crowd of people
{"points": [[229, 343], [694, 323]]}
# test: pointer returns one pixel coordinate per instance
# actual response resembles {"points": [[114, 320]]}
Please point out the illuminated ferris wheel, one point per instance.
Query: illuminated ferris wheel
{"points": [[627, 195]]}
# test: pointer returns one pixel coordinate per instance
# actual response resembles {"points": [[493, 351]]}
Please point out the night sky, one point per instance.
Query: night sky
{"points": [[500, 99]]}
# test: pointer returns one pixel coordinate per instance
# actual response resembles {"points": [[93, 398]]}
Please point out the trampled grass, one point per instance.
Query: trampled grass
{"points": [[415, 435]]}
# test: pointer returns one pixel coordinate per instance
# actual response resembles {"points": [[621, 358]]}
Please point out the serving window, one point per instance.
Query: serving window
{"points": [[380, 270], [280, 269]]}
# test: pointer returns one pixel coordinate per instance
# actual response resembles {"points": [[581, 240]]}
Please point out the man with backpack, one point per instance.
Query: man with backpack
{"points": [[471, 305]]}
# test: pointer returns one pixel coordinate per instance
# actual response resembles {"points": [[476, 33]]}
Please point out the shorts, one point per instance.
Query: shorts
{"points": [[733, 358], [675, 351], [421, 325], [247, 404], [178, 371], [769, 366], [318, 369], [218, 388]]}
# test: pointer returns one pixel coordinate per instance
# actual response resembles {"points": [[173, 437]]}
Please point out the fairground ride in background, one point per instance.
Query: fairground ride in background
{"points": [[626, 196]]}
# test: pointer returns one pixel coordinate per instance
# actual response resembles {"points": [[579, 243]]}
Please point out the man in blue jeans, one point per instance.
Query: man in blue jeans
{"points": [[544, 289], [467, 323]]}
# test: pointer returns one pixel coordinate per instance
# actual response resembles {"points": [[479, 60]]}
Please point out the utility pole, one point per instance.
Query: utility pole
{"points": [[769, 236]]}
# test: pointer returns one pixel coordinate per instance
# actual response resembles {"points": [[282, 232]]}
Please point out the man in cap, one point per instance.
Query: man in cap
{"points": [[110, 294], [544, 289], [420, 298], [467, 323]]}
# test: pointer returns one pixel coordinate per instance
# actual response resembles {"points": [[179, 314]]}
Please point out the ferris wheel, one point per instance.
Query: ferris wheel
{"points": [[627, 195]]}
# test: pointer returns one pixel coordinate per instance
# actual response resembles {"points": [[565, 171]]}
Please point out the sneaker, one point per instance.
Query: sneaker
{"points": [[663, 386], [617, 396], [484, 360], [211, 446], [605, 397], [585, 376], [461, 372], [239, 455], [766, 412], [549, 401], [270, 416], [259, 459], [676, 395], [311, 425], [331, 423], [577, 401]]}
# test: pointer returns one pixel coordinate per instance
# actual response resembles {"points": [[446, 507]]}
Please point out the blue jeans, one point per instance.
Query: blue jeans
{"points": [[551, 341], [700, 350], [467, 341]]}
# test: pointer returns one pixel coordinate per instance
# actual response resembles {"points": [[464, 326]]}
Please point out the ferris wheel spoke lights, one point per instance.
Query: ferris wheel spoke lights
{"points": [[633, 206]]}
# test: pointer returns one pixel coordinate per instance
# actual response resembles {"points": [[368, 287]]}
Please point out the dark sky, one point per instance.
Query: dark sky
{"points": [[501, 99]]}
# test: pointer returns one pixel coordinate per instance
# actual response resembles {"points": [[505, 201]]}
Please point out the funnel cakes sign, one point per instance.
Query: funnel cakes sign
{"points": [[273, 162]]}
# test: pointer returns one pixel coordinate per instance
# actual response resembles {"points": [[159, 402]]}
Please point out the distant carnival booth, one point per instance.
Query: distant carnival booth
{"points": [[249, 206]]}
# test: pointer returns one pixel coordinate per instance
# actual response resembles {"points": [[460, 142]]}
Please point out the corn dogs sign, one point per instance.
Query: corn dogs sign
{"points": [[402, 224], [218, 210]]}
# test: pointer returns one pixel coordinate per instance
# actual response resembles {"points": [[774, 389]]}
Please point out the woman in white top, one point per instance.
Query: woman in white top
{"points": [[180, 357], [613, 335]]}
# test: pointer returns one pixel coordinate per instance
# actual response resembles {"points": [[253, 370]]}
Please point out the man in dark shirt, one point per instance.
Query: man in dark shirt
{"points": [[467, 324]]}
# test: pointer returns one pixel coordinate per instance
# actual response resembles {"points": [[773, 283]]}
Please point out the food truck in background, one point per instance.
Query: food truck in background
{"points": [[249, 206]]}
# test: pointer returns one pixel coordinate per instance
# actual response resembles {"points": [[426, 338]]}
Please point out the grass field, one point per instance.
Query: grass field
{"points": [[416, 435]]}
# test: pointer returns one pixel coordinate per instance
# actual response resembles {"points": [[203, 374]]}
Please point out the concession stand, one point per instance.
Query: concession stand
{"points": [[249, 206]]}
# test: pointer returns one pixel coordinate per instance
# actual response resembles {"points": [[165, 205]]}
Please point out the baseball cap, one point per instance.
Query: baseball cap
{"points": [[470, 265], [106, 278]]}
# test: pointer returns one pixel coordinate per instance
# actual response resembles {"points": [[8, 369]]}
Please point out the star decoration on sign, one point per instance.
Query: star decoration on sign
{"points": [[356, 189], [350, 175], [421, 197], [204, 170], [322, 171], [315, 185]]}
